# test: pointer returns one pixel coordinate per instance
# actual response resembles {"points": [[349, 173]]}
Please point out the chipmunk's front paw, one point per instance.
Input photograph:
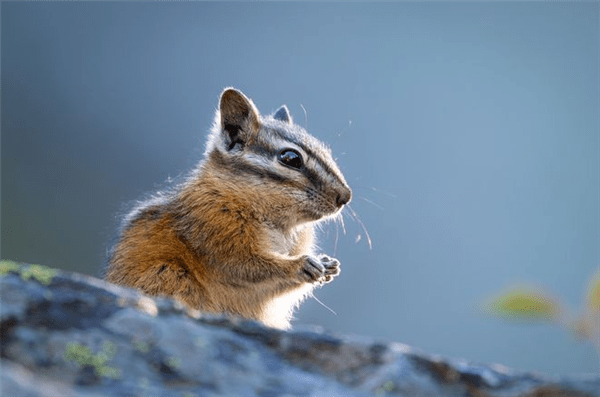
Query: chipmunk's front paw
{"points": [[320, 269], [332, 267]]}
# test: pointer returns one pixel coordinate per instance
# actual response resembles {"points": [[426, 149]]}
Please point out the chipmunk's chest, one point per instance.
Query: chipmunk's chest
{"points": [[282, 243], [299, 241]]}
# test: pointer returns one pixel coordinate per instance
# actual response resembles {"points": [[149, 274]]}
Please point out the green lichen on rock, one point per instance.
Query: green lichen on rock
{"points": [[386, 388], [43, 274], [141, 346], [8, 266], [82, 356], [174, 362]]}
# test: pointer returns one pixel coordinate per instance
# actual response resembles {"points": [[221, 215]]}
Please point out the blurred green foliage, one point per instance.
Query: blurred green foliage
{"points": [[527, 303]]}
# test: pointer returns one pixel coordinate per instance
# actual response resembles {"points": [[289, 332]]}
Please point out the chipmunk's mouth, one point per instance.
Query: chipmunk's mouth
{"points": [[310, 215], [315, 214]]}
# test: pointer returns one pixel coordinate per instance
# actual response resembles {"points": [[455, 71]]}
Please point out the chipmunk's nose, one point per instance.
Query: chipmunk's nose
{"points": [[344, 196]]}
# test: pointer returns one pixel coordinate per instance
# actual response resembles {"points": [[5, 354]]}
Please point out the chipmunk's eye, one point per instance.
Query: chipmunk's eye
{"points": [[290, 158]]}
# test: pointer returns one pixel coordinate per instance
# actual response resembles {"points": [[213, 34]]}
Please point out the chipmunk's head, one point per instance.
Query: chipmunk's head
{"points": [[275, 162]]}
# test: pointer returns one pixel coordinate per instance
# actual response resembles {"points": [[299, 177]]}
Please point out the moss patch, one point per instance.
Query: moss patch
{"points": [[174, 362], [82, 356], [42, 274], [141, 346], [8, 266]]}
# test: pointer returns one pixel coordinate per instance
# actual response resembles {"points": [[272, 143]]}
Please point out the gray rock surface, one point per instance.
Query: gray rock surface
{"points": [[66, 334]]}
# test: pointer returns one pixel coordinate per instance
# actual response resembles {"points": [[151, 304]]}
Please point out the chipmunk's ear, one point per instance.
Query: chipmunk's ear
{"points": [[283, 114], [240, 119]]}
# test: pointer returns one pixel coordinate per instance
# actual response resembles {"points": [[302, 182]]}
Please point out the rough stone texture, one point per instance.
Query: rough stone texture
{"points": [[74, 335]]}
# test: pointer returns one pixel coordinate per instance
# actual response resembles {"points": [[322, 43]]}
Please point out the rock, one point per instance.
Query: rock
{"points": [[66, 334]]}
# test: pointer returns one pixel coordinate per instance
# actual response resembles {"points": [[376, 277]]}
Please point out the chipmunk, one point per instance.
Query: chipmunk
{"points": [[236, 236]]}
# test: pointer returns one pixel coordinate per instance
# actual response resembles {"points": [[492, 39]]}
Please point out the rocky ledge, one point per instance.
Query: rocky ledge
{"points": [[66, 334]]}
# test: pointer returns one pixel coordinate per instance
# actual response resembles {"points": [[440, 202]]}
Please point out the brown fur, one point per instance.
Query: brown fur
{"points": [[224, 241]]}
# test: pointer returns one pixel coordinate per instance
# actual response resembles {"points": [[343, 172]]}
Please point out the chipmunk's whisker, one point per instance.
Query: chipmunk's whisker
{"points": [[337, 235], [360, 222], [305, 117], [324, 305], [374, 204], [343, 224]]}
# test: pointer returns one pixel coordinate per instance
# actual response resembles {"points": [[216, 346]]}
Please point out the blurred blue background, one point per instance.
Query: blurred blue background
{"points": [[468, 131]]}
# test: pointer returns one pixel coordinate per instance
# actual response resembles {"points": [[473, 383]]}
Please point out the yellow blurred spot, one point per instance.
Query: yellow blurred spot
{"points": [[593, 297], [524, 303]]}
